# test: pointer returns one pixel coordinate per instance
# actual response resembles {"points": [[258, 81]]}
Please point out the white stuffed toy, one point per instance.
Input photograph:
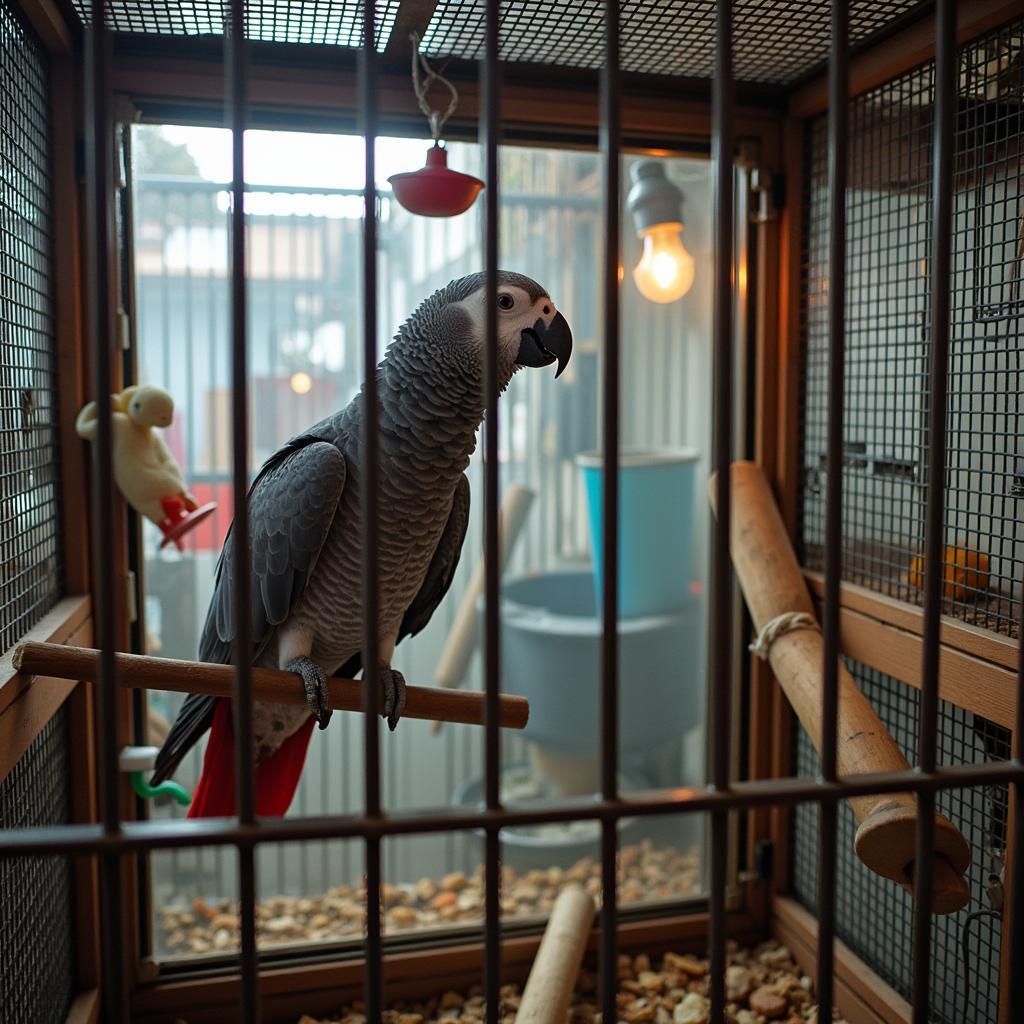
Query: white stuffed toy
{"points": [[144, 469]]}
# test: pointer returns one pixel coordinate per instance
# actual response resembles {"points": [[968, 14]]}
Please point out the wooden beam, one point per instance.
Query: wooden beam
{"points": [[139, 671], [980, 643], [71, 372], [861, 995], [56, 626], [553, 103], [24, 718], [49, 24], [412, 16], [966, 681], [85, 1008]]}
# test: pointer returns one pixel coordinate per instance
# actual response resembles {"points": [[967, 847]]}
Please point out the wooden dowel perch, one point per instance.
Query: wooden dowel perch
{"points": [[548, 991], [141, 672], [772, 584]]}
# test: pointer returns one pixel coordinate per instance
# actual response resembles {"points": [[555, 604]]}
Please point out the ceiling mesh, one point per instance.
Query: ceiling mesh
{"points": [[775, 41]]}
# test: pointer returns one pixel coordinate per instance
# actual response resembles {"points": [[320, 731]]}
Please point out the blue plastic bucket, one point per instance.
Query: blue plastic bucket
{"points": [[551, 654], [657, 490]]}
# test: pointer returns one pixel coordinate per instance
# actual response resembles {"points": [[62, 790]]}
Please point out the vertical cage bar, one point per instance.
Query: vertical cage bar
{"points": [[838, 89], [941, 228], [370, 501], [237, 101], [100, 225], [720, 660], [489, 73], [610, 158]]}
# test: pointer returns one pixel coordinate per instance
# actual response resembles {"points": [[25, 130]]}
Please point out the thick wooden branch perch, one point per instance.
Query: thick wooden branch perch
{"points": [[142, 672]]}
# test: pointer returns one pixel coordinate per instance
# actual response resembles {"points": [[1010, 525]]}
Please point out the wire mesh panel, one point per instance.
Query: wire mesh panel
{"points": [[887, 348], [774, 42], [874, 917], [36, 926], [29, 523], [330, 22]]}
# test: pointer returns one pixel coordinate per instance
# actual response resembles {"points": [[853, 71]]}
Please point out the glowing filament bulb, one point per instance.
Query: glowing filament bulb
{"points": [[665, 271]]}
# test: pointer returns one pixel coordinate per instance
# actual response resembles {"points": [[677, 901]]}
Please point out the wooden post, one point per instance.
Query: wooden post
{"points": [[773, 585], [549, 988]]}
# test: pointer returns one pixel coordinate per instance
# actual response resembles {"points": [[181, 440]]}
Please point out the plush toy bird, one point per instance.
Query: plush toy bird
{"points": [[144, 468], [305, 532]]}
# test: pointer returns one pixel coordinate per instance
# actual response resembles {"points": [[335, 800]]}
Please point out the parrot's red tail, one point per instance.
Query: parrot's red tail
{"points": [[274, 782]]}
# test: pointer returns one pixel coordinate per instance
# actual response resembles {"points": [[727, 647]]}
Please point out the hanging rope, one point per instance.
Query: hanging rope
{"points": [[779, 626], [422, 86]]}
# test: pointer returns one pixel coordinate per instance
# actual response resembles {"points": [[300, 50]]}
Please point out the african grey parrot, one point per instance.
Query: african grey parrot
{"points": [[304, 523]]}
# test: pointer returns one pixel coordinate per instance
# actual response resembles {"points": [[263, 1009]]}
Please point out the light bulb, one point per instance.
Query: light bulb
{"points": [[665, 271], [301, 383]]}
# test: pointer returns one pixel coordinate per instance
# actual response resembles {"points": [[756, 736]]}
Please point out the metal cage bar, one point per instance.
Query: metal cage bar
{"points": [[242, 703], [101, 235], [944, 139], [838, 89], [370, 504], [490, 73], [611, 165], [720, 656]]}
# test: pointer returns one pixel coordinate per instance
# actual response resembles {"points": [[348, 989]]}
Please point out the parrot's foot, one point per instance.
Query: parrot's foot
{"points": [[394, 694], [314, 679]]}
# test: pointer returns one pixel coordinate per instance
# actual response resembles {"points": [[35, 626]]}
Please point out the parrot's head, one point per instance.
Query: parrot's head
{"points": [[531, 331]]}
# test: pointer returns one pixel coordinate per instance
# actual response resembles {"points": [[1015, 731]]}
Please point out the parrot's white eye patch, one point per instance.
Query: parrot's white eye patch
{"points": [[506, 301]]}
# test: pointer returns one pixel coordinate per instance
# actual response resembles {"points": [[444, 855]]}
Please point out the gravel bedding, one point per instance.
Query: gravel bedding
{"points": [[764, 986], [211, 926]]}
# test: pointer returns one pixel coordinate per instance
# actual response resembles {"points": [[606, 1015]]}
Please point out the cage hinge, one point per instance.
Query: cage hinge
{"points": [[761, 870], [767, 195], [131, 604], [124, 334]]}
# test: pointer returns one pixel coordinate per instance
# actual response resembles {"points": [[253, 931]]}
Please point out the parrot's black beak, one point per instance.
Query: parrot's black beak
{"points": [[542, 346]]}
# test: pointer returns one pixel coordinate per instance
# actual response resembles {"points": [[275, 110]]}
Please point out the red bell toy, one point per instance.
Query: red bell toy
{"points": [[434, 190]]}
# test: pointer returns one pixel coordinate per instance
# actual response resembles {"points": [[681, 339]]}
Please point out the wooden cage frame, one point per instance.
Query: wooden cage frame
{"points": [[979, 668]]}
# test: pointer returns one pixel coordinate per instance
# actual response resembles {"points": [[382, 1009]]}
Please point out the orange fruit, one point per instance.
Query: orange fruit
{"points": [[965, 573]]}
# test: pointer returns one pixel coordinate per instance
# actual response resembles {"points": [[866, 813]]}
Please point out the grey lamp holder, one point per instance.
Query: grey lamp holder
{"points": [[653, 199]]}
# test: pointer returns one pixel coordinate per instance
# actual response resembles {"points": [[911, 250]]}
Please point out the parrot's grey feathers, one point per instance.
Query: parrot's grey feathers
{"points": [[193, 720], [292, 503], [438, 580], [442, 566]]}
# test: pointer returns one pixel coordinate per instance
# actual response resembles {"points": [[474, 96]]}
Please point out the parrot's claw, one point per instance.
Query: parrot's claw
{"points": [[394, 695], [314, 679]]}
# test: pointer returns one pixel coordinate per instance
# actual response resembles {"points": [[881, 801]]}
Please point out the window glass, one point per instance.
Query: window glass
{"points": [[304, 252]]}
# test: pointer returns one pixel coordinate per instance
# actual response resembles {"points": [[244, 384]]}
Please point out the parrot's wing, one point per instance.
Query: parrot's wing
{"points": [[442, 567], [292, 503]]}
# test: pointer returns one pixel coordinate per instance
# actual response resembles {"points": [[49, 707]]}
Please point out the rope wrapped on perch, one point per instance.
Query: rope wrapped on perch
{"points": [[790, 640], [143, 672]]}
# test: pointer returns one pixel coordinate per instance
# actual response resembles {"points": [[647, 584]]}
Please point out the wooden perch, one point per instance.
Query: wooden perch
{"points": [[138, 671], [549, 988], [772, 584]]}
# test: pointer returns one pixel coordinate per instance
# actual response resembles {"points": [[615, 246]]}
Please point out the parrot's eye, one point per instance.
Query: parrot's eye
{"points": [[505, 301]]}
